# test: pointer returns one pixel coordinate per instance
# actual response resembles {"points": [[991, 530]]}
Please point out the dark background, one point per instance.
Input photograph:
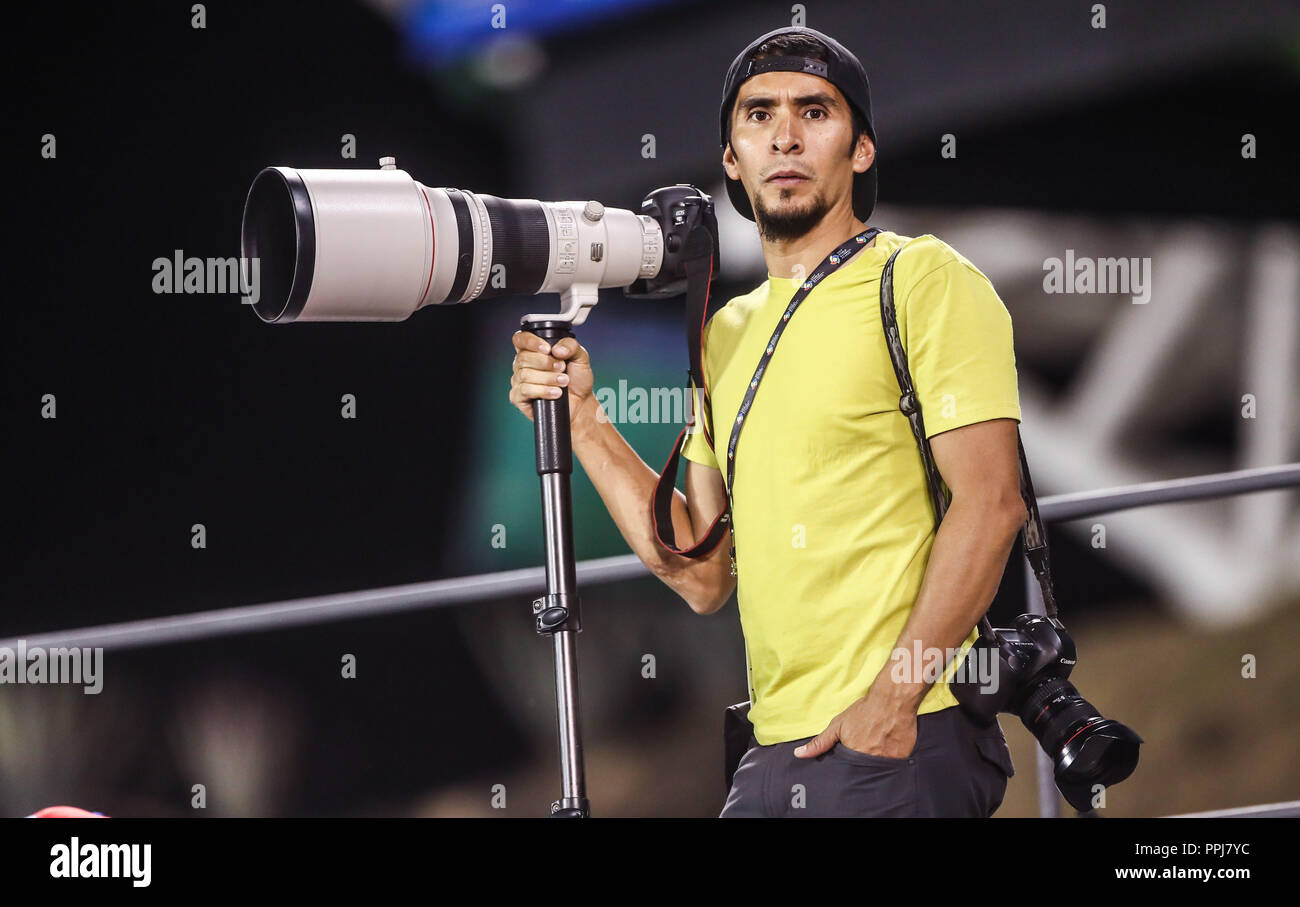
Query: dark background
{"points": [[183, 409]]}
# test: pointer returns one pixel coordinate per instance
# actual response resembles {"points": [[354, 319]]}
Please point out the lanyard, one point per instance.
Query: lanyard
{"points": [[829, 265]]}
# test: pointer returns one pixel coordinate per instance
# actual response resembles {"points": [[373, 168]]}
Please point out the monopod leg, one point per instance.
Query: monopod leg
{"points": [[558, 613]]}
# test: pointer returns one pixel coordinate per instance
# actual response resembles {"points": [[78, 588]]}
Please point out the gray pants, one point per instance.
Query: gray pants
{"points": [[957, 769]]}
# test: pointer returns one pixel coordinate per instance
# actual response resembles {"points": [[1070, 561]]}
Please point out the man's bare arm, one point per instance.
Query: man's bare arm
{"points": [[981, 465], [622, 478], [626, 485]]}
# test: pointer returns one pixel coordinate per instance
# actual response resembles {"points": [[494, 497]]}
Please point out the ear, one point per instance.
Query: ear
{"points": [[729, 163], [864, 154]]}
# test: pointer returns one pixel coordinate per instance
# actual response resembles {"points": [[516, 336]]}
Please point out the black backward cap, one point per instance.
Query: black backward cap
{"points": [[842, 69]]}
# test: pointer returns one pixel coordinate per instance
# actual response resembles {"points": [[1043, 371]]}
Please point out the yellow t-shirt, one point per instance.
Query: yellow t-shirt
{"points": [[832, 520]]}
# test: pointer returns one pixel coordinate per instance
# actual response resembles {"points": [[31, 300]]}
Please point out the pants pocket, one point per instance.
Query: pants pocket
{"points": [[995, 750], [847, 783], [995, 758], [841, 751]]}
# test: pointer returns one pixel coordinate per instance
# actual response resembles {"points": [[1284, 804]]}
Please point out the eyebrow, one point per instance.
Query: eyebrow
{"points": [[803, 100]]}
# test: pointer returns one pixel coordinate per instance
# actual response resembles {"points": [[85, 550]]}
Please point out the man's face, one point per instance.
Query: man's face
{"points": [[791, 146]]}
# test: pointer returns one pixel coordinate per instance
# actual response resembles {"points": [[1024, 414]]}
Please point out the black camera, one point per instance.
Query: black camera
{"points": [[690, 230], [1031, 664]]}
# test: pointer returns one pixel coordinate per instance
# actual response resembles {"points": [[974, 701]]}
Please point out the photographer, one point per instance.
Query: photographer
{"points": [[841, 573]]}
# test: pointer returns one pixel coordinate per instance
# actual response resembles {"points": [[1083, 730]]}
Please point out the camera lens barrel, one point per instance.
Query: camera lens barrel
{"points": [[375, 245], [1086, 749]]}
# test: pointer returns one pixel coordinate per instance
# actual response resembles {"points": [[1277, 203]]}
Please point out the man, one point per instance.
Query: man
{"points": [[841, 575]]}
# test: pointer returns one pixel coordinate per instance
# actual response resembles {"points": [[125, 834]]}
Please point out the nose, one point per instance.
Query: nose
{"points": [[786, 137]]}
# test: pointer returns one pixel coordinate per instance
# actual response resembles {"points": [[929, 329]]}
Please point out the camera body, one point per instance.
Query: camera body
{"points": [[1033, 659], [690, 232], [1035, 649]]}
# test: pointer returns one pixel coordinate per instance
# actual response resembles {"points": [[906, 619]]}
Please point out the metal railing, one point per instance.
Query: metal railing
{"points": [[1288, 810], [462, 590], [1060, 508]]}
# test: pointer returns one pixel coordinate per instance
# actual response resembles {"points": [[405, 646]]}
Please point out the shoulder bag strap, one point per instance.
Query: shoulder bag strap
{"points": [[1035, 536]]}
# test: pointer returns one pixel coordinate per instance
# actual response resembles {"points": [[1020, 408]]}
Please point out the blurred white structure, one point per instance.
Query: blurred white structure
{"points": [[1220, 332]]}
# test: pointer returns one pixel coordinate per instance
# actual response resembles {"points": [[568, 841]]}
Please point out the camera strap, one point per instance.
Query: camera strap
{"points": [[698, 273], [1035, 537]]}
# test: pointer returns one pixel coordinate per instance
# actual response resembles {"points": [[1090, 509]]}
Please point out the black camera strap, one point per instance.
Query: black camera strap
{"points": [[698, 273], [1035, 537]]}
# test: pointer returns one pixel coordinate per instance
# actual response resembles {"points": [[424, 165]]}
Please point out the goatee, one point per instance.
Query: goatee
{"points": [[789, 223]]}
